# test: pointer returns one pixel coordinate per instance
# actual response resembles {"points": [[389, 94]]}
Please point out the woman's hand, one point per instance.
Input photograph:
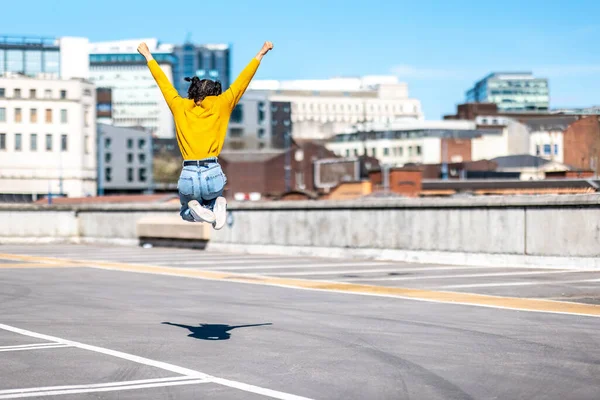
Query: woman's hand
{"points": [[268, 46]]}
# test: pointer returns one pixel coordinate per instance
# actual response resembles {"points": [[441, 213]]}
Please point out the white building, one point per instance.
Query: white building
{"points": [[321, 108], [47, 137], [514, 138], [136, 99], [419, 142]]}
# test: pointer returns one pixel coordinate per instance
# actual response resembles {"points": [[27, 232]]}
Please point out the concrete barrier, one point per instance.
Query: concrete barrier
{"points": [[552, 230]]}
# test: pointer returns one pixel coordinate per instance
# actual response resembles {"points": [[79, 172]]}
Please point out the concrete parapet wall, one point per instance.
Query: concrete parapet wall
{"points": [[543, 226]]}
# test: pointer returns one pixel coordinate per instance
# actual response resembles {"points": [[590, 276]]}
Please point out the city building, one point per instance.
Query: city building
{"points": [[124, 160], [321, 108], [65, 57], [136, 99], [47, 137], [582, 144], [511, 91], [258, 123], [208, 61], [413, 142]]}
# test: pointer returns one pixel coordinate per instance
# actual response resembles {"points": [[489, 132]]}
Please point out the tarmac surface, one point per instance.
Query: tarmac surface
{"points": [[106, 322]]}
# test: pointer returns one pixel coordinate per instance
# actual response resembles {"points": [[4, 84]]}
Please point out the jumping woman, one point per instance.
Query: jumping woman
{"points": [[201, 123]]}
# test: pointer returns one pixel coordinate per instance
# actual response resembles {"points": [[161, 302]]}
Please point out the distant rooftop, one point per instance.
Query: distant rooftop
{"points": [[27, 41], [339, 84], [510, 76], [129, 46]]}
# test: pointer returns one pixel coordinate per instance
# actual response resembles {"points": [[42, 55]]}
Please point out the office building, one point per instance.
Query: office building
{"points": [[209, 61], [47, 138], [258, 123], [136, 99], [53, 58], [124, 160], [418, 142], [511, 91], [321, 108]]}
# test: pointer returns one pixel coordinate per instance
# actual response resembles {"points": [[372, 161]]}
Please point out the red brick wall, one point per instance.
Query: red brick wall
{"points": [[456, 147], [582, 143]]}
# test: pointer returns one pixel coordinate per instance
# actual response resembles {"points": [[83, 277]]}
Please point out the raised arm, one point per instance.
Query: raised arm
{"points": [[170, 94], [235, 92]]}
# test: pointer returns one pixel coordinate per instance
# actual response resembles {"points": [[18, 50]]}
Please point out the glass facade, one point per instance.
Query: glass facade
{"points": [[511, 92], [205, 62], [29, 56]]}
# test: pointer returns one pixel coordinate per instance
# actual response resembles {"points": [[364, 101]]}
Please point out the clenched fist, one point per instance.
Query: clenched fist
{"points": [[143, 50], [268, 46]]}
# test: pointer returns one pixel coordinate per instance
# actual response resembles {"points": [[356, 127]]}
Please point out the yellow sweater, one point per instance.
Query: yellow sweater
{"points": [[201, 130]]}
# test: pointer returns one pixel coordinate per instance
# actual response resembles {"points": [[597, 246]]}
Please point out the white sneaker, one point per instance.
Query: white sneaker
{"points": [[200, 213], [220, 210]]}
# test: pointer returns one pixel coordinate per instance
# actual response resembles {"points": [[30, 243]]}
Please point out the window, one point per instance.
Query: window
{"points": [[87, 92], [373, 152], [537, 149], [33, 115], [386, 151], [107, 142], [107, 157], [32, 93], [347, 152], [410, 151], [261, 113], [130, 143], [18, 115], [63, 142], [356, 152], [141, 143], [2, 114], [236, 132], [547, 149], [2, 141], [63, 94], [2, 92], [33, 142], [286, 122], [18, 142], [49, 142], [400, 151], [47, 94], [86, 117], [17, 93], [274, 109], [142, 158], [129, 174], [48, 115], [237, 115], [63, 116], [286, 109], [130, 158], [274, 122], [418, 148], [142, 174], [555, 149], [86, 144], [108, 174]]}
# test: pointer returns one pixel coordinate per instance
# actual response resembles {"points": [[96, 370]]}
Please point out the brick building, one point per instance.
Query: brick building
{"points": [[582, 143], [264, 171]]}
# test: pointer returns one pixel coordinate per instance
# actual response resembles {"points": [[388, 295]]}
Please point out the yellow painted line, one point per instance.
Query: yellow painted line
{"points": [[471, 299]]}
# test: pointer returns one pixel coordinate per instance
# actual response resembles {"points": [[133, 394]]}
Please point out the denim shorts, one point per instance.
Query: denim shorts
{"points": [[203, 183]]}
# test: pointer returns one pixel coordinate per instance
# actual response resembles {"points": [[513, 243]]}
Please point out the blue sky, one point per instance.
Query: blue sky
{"points": [[439, 47]]}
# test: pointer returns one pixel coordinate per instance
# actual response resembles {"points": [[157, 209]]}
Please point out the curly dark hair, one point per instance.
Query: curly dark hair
{"points": [[202, 88]]}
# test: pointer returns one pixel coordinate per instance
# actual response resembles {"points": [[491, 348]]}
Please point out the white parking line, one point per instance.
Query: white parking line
{"points": [[39, 347], [289, 266], [399, 269], [528, 283], [409, 278], [100, 387], [197, 376]]}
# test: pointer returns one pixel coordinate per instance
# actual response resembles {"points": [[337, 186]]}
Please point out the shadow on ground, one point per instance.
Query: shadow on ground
{"points": [[211, 331]]}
